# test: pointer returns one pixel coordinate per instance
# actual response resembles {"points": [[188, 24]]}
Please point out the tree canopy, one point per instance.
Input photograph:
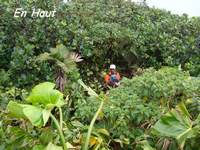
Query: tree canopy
{"points": [[102, 31]]}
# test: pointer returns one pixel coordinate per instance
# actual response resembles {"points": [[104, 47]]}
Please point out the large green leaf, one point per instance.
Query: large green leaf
{"points": [[45, 94], [176, 124], [34, 114], [15, 109], [41, 94], [45, 116]]}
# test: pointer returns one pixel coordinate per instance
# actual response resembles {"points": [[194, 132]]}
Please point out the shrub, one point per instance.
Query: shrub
{"points": [[139, 102]]}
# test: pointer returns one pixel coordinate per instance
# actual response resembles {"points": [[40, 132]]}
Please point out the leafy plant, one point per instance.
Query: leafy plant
{"points": [[177, 124], [43, 99], [64, 61], [131, 109]]}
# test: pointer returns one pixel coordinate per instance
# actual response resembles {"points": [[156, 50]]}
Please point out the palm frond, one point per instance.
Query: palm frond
{"points": [[62, 58], [76, 57]]}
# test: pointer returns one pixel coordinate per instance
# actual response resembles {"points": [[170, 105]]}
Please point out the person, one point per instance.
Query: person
{"points": [[113, 77]]}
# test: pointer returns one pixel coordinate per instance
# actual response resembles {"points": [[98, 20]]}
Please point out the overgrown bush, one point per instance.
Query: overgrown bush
{"points": [[139, 102], [103, 32]]}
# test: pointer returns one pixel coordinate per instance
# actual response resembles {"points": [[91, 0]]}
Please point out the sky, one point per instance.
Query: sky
{"points": [[190, 7]]}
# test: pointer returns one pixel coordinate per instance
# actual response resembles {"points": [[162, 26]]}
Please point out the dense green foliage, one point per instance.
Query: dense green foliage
{"points": [[156, 106], [102, 32], [177, 124], [132, 108]]}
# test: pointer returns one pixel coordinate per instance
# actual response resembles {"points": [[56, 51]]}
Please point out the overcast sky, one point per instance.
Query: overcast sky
{"points": [[190, 7]]}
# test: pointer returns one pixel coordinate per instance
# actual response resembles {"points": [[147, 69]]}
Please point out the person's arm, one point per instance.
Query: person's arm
{"points": [[107, 79], [118, 76]]}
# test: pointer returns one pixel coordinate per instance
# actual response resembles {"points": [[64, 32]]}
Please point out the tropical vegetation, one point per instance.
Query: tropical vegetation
{"points": [[52, 94]]}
